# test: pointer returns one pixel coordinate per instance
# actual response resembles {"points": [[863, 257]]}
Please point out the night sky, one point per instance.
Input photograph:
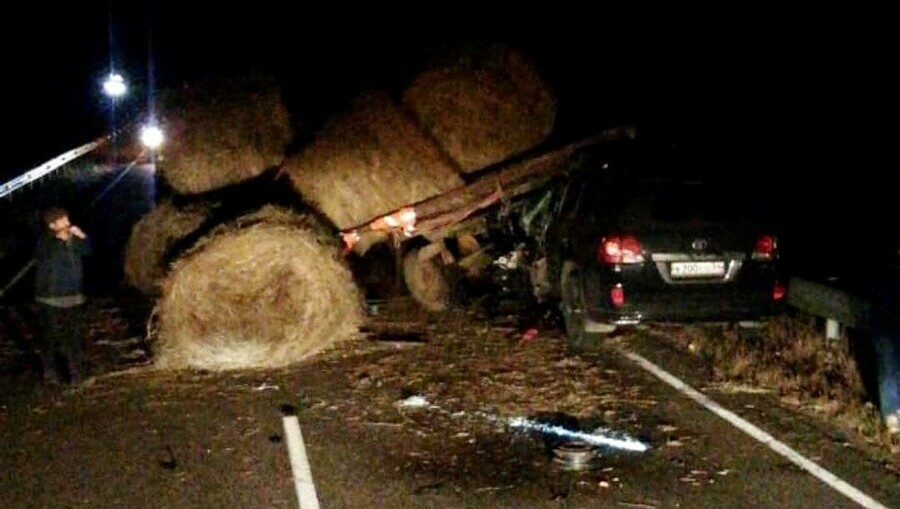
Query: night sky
{"points": [[800, 101]]}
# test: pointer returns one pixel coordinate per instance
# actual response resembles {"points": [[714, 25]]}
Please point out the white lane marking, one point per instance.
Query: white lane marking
{"points": [[303, 481], [796, 458]]}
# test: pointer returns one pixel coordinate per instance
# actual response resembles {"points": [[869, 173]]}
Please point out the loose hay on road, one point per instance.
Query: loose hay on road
{"points": [[266, 291], [486, 369], [794, 360]]}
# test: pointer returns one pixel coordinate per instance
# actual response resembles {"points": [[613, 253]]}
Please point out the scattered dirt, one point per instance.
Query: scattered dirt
{"points": [[413, 413], [791, 358]]}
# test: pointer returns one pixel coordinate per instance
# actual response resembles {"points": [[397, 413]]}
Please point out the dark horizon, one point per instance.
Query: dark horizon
{"points": [[800, 106], [795, 91]]}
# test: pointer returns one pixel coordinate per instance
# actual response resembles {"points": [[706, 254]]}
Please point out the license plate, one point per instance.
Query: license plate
{"points": [[697, 269]]}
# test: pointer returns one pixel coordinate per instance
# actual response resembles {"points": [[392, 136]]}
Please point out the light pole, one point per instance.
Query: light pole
{"points": [[114, 87]]}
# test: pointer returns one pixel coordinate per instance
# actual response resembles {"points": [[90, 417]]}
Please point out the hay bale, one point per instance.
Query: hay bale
{"points": [[487, 105], [147, 251], [370, 160], [266, 291], [223, 132]]}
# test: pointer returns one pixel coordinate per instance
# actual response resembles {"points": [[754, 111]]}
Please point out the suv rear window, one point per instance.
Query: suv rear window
{"points": [[694, 201], [667, 201]]}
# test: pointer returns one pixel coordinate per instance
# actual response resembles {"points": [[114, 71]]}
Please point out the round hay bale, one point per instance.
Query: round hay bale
{"points": [[222, 132], [485, 107], [264, 292], [368, 161], [147, 251]]}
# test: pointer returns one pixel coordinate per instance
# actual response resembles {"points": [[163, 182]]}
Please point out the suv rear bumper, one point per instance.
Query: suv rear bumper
{"points": [[736, 300]]}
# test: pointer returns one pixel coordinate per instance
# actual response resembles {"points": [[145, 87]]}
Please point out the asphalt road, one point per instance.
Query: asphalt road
{"points": [[148, 439]]}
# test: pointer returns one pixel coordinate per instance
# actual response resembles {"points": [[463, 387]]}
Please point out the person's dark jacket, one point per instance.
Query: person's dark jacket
{"points": [[59, 264]]}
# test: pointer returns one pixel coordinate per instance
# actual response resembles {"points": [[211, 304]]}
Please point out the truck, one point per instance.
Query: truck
{"points": [[467, 230]]}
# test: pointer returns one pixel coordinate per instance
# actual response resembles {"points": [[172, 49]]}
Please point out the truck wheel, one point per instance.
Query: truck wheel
{"points": [[425, 281], [573, 310]]}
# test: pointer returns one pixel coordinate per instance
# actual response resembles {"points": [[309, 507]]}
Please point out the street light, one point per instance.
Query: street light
{"points": [[114, 86], [151, 136]]}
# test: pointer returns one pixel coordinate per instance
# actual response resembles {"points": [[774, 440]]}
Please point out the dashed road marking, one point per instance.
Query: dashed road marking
{"points": [[303, 481]]}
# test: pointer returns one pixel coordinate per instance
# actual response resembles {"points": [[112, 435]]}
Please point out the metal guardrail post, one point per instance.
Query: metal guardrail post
{"points": [[833, 329], [839, 308]]}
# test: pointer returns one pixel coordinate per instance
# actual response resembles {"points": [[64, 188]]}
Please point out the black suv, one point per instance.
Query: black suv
{"points": [[629, 239]]}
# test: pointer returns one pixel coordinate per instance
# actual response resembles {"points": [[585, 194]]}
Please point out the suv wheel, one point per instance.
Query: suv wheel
{"points": [[573, 313]]}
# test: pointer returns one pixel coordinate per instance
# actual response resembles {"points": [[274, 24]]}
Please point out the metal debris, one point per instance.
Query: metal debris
{"points": [[575, 456]]}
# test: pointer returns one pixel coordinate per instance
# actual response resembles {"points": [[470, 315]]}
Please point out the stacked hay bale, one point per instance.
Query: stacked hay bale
{"points": [[265, 291], [219, 132], [483, 105], [370, 160], [147, 254], [271, 288], [222, 132]]}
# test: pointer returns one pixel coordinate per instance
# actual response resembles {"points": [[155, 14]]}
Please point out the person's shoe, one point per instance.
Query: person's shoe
{"points": [[892, 421]]}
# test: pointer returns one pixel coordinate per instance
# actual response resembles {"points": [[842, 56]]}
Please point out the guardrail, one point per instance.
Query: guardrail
{"points": [[839, 308], [43, 170]]}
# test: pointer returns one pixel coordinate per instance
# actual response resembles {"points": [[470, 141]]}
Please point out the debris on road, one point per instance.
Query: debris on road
{"points": [[266, 387], [575, 456], [529, 335], [413, 402]]}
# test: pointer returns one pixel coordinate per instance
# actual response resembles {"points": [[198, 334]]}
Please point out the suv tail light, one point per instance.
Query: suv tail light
{"points": [[624, 249], [766, 248], [778, 291], [617, 296]]}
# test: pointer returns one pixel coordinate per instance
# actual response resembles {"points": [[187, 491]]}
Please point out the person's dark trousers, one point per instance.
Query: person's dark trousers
{"points": [[62, 331]]}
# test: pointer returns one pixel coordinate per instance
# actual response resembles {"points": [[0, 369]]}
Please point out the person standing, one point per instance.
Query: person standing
{"points": [[58, 291], [885, 322]]}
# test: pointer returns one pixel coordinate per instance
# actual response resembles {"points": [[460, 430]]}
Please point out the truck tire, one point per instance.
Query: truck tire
{"points": [[426, 281], [572, 308]]}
